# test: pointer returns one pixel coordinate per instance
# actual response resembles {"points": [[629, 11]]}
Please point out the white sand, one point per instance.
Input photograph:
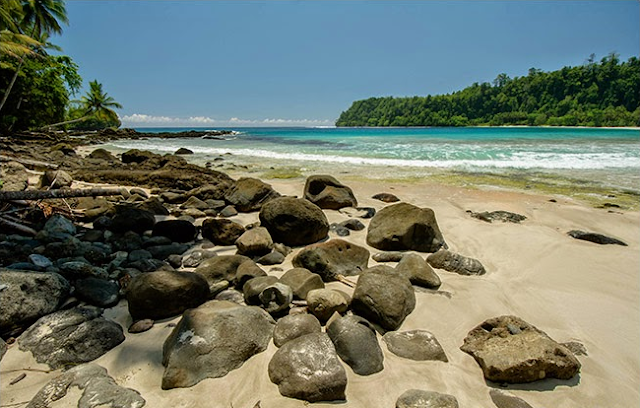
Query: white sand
{"points": [[573, 290]]}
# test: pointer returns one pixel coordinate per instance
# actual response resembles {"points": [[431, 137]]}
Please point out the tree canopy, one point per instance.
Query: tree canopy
{"points": [[594, 94]]}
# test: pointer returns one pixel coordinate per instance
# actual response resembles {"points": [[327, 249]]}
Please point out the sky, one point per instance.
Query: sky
{"points": [[301, 63]]}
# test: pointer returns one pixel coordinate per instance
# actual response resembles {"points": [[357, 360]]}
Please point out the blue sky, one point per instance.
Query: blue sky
{"points": [[255, 63]]}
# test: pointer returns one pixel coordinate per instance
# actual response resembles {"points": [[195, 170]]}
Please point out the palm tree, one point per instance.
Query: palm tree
{"points": [[39, 17], [12, 42]]}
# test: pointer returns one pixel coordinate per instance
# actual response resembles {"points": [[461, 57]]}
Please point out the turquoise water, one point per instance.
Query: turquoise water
{"points": [[607, 156]]}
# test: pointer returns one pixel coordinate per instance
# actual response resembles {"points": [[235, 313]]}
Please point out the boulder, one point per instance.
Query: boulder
{"points": [[14, 176], [356, 343], [293, 326], [4, 348], [175, 230], [141, 326], [162, 294], [301, 281], [272, 258], [183, 150], [426, 399], [276, 298], [386, 197], [385, 300], [194, 258], [97, 292], [595, 238], [254, 287], [57, 228], [194, 202], [129, 218], [56, 179], [502, 399], [246, 271], [294, 221], [137, 156], [222, 267], [510, 350], [404, 226], [154, 206], [221, 231], [352, 224], [308, 368], [328, 193], [228, 211], [254, 242], [323, 303], [212, 340], [504, 216], [332, 258], [99, 389], [250, 194], [102, 154], [453, 262], [231, 295], [162, 252], [27, 296], [419, 345], [418, 271], [70, 337], [393, 256]]}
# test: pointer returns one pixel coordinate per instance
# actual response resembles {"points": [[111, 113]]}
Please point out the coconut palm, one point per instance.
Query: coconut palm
{"points": [[95, 104], [12, 42]]}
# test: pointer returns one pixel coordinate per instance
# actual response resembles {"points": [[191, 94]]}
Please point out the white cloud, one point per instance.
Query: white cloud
{"points": [[143, 120]]}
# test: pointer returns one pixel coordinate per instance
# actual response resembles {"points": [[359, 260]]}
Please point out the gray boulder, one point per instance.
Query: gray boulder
{"points": [[293, 326], [419, 345], [57, 228], [453, 262], [276, 298], [404, 226], [162, 294], [99, 389], [418, 271], [27, 296], [212, 340], [328, 193], [250, 194], [392, 256], [308, 368], [301, 281], [69, 337], [510, 350], [254, 287], [254, 242], [219, 268], [221, 231], [385, 300], [323, 303], [332, 258], [426, 399], [246, 271], [294, 221], [356, 343]]}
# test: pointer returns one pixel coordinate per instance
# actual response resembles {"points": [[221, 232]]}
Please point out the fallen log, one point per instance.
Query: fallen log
{"points": [[17, 227], [28, 162], [60, 193]]}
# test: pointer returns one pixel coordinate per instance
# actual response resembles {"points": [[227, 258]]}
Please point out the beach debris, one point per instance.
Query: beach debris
{"points": [[386, 197], [418, 271], [389, 256], [254, 242], [419, 345], [504, 216], [332, 258], [293, 326], [323, 303], [355, 341], [99, 389], [294, 221], [404, 226], [6, 195], [18, 379], [27, 296], [30, 163], [250, 194], [595, 238], [70, 337], [140, 326], [328, 193], [503, 399], [308, 368], [301, 281], [510, 350], [454, 262], [163, 294], [384, 300], [221, 231], [426, 399], [212, 340]]}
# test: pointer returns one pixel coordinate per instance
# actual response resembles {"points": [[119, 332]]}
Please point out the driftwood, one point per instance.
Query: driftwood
{"points": [[59, 193], [28, 162], [17, 227]]}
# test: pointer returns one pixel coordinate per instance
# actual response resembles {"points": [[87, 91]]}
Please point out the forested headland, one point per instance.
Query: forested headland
{"points": [[604, 93]]}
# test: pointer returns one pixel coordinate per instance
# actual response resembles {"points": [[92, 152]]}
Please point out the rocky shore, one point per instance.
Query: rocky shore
{"points": [[314, 290]]}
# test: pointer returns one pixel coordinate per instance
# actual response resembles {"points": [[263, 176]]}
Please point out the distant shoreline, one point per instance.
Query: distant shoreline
{"points": [[387, 127]]}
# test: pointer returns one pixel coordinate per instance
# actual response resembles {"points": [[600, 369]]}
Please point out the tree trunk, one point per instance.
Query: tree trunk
{"points": [[13, 81], [66, 122], [59, 193], [32, 164]]}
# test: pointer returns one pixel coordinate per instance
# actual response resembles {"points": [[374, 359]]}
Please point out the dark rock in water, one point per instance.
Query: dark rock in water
{"points": [[332, 258], [301, 281], [418, 271], [162, 252], [339, 230], [393, 256], [276, 298], [98, 390], [328, 193], [386, 198], [175, 230], [595, 237], [254, 287], [404, 226], [426, 399], [308, 368], [452, 262], [220, 231], [419, 345], [69, 337], [128, 218], [222, 267], [273, 258], [183, 150], [293, 326], [250, 194], [97, 292], [323, 303], [212, 340], [504, 216], [503, 399], [162, 294], [254, 242], [510, 350], [294, 221], [352, 224], [356, 343], [27, 296], [385, 300], [141, 326]]}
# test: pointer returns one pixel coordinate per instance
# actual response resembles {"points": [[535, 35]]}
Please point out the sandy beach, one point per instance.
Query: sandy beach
{"points": [[573, 290]]}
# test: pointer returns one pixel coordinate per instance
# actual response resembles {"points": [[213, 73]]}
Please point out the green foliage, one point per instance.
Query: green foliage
{"points": [[89, 121], [595, 94]]}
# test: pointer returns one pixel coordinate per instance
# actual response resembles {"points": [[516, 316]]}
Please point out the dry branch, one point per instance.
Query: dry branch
{"points": [[59, 193], [28, 162]]}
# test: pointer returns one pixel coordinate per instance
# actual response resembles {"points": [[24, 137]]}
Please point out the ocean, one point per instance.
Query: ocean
{"points": [[608, 158]]}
